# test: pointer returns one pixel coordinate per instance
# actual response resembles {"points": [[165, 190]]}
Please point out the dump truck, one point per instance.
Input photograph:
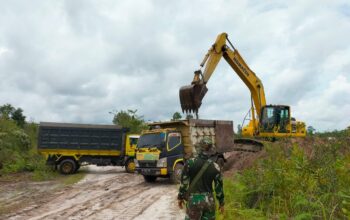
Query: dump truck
{"points": [[162, 149], [66, 146]]}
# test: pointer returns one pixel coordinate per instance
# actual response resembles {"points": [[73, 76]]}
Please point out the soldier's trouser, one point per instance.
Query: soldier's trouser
{"points": [[200, 206]]}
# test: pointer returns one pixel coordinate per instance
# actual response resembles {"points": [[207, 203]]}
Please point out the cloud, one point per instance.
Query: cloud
{"points": [[328, 107], [75, 61]]}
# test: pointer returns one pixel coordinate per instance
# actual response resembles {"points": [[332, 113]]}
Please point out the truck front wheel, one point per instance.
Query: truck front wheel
{"points": [[68, 166], [150, 179], [130, 166]]}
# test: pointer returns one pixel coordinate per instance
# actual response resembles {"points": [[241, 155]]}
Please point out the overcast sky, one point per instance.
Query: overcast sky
{"points": [[75, 61]]}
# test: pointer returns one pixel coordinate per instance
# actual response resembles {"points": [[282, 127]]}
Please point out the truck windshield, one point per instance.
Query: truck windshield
{"points": [[151, 140]]}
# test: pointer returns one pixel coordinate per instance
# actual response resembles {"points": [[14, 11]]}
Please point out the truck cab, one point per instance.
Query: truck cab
{"points": [[160, 153]]}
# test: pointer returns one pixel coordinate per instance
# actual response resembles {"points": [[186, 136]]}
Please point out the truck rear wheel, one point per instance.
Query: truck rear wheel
{"points": [[176, 175], [130, 166], [150, 179], [68, 166]]}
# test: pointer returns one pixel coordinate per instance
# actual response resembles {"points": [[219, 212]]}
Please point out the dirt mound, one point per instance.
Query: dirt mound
{"points": [[237, 161]]}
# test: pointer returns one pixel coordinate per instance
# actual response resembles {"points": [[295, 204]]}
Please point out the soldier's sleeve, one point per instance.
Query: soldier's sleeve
{"points": [[219, 188], [185, 181]]}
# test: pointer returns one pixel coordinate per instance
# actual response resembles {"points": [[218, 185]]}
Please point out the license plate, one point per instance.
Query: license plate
{"points": [[147, 156]]}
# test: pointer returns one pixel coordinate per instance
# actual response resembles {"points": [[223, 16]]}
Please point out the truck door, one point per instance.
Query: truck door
{"points": [[174, 148], [131, 145]]}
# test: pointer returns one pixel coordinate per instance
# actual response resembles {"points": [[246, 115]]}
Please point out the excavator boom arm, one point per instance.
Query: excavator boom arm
{"points": [[274, 122], [248, 77], [235, 60]]}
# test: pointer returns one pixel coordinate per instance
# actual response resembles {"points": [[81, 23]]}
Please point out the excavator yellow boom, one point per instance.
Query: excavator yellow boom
{"points": [[267, 120]]}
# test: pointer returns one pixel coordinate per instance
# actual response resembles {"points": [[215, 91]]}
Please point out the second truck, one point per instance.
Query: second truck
{"points": [[162, 150], [67, 146]]}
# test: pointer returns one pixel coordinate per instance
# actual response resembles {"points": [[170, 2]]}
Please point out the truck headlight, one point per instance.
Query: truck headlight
{"points": [[136, 163], [162, 162]]}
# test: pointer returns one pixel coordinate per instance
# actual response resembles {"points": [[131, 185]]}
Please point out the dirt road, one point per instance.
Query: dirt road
{"points": [[105, 193]]}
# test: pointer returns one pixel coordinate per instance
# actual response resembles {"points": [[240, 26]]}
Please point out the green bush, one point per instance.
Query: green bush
{"points": [[18, 151], [294, 183]]}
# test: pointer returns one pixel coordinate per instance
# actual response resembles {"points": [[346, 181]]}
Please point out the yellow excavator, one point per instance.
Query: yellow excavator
{"points": [[268, 121]]}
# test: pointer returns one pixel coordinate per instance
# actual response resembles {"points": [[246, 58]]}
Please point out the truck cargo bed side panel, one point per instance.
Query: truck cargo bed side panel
{"points": [[80, 138], [224, 136]]}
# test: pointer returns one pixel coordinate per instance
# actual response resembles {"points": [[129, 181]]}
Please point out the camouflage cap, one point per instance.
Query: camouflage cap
{"points": [[206, 146], [206, 141]]}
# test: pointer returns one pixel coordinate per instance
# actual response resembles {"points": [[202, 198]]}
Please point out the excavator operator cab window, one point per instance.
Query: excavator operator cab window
{"points": [[283, 120], [270, 112], [274, 118], [268, 120]]}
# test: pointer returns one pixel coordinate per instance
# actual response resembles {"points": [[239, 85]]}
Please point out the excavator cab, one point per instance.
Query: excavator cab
{"points": [[275, 118]]}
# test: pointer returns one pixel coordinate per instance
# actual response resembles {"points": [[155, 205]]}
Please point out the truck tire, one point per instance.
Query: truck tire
{"points": [[67, 166], [130, 166], [150, 179], [176, 175]]}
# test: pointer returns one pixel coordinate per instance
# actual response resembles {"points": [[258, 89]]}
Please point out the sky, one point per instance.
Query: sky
{"points": [[77, 61]]}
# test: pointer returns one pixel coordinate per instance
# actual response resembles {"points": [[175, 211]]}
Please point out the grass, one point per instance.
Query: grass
{"points": [[294, 181]]}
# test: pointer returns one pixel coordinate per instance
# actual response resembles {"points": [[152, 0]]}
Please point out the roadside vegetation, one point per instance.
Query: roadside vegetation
{"points": [[18, 148], [18, 145], [129, 119], [295, 179]]}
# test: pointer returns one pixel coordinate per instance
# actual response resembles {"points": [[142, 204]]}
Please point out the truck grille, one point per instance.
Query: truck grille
{"points": [[148, 163]]}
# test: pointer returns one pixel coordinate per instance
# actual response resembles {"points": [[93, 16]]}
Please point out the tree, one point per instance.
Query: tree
{"points": [[18, 117], [189, 116], [176, 116], [310, 130], [129, 119], [8, 112]]}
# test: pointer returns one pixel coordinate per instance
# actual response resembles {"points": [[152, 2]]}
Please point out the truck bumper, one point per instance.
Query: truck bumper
{"points": [[152, 171]]}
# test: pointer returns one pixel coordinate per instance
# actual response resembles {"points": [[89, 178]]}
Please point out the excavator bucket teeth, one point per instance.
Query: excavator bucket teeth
{"points": [[191, 97]]}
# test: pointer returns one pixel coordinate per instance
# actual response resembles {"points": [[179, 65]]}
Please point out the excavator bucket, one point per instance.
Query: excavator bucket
{"points": [[191, 97]]}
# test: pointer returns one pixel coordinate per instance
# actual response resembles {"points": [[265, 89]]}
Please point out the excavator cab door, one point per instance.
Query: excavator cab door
{"points": [[274, 118]]}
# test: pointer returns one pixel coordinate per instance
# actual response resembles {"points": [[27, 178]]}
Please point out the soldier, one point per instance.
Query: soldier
{"points": [[197, 179]]}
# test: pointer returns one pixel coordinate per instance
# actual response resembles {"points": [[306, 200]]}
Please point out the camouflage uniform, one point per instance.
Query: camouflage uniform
{"points": [[200, 202]]}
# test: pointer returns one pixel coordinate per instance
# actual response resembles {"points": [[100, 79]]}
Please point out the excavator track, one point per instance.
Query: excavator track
{"points": [[248, 145]]}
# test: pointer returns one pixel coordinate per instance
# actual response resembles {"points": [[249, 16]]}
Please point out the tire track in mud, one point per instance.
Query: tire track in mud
{"points": [[106, 193], [96, 204], [83, 196], [134, 206]]}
